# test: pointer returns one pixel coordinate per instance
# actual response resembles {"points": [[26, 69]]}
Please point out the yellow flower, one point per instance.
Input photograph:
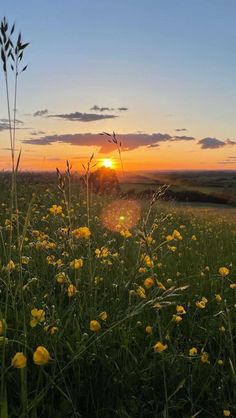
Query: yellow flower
{"points": [[103, 316], [192, 352], [232, 285], [125, 233], [205, 358], [94, 325], [222, 328], [71, 290], [193, 238], [180, 310], [159, 347], [226, 413], [177, 318], [41, 356], [82, 232], [220, 362], [61, 277], [148, 282], [205, 300], [169, 238], [19, 361], [142, 270], [38, 315], [102, 253], [176, 234], [3, 326], [51, 329], [55, 210], [11, 265], [148, 329], [223, 271], [24, 260], [160, 285], [148, 261], [172, 248], [218, 298], [200, 304], [76, 264], [140, 291]]}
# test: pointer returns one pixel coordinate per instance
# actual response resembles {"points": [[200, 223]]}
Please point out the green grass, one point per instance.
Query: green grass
{"points": [[115, 371]]}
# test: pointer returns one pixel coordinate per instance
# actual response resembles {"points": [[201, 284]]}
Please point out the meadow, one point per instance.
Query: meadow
{"points": [[112, 307]]}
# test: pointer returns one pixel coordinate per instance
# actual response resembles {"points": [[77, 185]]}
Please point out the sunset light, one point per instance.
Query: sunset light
{"points": [[107, 163]]}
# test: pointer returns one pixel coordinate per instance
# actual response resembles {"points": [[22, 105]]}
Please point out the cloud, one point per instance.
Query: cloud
{"points": [[214, 143], [102, 109], [4, 124], [129, 141], [122, 109], [181, 130], [35, 133], [43, 112], [82, 117]]}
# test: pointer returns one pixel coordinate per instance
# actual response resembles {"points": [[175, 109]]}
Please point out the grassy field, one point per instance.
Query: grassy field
{"points": [[115, 308]]}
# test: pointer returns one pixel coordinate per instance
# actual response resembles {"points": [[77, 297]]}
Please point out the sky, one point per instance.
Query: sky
{"points": [[159, 73]]}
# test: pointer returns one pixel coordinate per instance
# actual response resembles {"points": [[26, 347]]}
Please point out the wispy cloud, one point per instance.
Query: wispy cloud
{"points": [[214, 143], [129, 141], [108, 109], [82, 117], [4, 124], [41, 113], [181, 130]]}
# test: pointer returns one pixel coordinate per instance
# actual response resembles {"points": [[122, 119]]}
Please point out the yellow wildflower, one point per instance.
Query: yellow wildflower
{"points": [[55, 210], [140, 291], [160, 285], [125, 233], [94, 325], [148, 329], [218, 298], [226, 413], [11, 265], [61, 277], [193, 238], [222, 328], [200, 304], [19, 361], [159, 347], [180, 310], [177, 318], [24, 260], [148, 282], [148, 261], [205, 358], [192, 352], [82, 232], [76, 264], [176, 234], [71, 290], [232, 285], [223, 271], [41, 356], [102, 253], [51, 329], [103, 316], [38, 315]]}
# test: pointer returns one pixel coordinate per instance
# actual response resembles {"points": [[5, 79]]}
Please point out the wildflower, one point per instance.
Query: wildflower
{"points": [[102, 253], [148, 329], [103, 316], [140, 291], [150, 240], [177, 318], [61, 277], [24, 260], [200, 304], [76, 264], [142, 270], [3, 326], [19, 361], [50, 259], [11, 265], [160, 285], [232, 285], [38, 315], [226, 413], [169, 238], [125, 233], [51, 329], [71, 290], [55, 210], [82, 232], [205, 300], [222, 328], [192, 352], [148, 261], [148, 283], [223, 271], [172, 248], [193, 238], [205, 358], [94, 325], [220, 362], [41, 356], [176, 234], [159, 347], [180, 310], [218, 298]]}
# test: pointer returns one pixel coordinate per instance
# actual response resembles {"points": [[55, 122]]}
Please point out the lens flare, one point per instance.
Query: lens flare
{"points": [[121, 214]]}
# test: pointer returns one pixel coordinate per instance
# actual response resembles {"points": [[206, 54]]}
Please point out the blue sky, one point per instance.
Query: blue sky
{"points": [[170, 62]]}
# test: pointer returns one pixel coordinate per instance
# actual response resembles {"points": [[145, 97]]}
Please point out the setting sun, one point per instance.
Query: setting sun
{"points": [[107, 163]]}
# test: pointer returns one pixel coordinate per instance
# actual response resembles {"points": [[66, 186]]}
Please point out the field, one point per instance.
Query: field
{"points": [[115, 307]]}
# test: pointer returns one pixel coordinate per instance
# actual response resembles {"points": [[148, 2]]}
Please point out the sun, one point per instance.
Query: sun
{"points": [[107, 163]]}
